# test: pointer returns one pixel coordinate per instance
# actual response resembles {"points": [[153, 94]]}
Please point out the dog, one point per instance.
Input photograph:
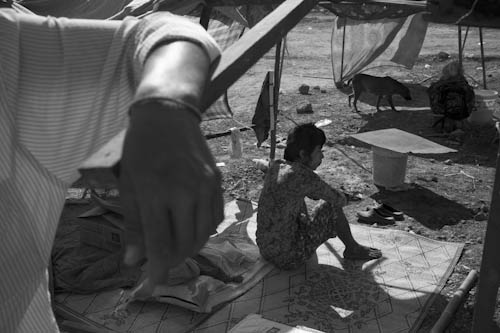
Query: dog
{"points": [[380, 86]]}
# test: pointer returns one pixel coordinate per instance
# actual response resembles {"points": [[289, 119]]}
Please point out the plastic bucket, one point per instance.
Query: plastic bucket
{"points": [[486, 103], [389, 167]]}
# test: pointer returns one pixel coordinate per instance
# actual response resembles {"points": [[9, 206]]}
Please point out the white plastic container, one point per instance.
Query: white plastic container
{"points": [[389, 167], [485, 106]]}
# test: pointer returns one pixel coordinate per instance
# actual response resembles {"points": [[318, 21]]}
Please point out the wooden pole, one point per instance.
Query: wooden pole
{"points": [[205, 16], [274, 98], [277, 75], [482, 56], [239, 57], [489, 274], [272, 118]]}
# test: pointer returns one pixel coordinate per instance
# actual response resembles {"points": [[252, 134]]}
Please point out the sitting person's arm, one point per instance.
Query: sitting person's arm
{"points": [[316, 188]]}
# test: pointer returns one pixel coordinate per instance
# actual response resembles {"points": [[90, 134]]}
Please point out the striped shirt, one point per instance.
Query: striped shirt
{"points": [[65, 88]]}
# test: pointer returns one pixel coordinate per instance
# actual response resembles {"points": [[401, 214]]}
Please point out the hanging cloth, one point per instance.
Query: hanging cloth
{"points": [[361, 45]]}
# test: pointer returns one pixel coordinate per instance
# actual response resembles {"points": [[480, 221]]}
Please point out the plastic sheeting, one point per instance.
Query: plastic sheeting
{"points": [[226, 24], [362, 45]]}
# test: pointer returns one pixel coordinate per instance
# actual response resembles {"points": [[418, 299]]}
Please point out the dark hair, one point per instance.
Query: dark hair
{"points": [[303, 137]]}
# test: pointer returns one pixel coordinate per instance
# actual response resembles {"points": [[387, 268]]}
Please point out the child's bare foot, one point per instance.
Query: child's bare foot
{"points": [[362, 253]]}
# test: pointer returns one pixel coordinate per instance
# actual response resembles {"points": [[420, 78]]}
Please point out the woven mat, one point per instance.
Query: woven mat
{"points": [[328, 294]]}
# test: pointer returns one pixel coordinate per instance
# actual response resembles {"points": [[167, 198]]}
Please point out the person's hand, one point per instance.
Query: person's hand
{"points": [[170, 190], [170, 186]]}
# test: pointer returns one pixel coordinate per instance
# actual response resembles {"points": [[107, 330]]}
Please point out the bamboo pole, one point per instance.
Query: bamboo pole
{"points": [[457, 299]]}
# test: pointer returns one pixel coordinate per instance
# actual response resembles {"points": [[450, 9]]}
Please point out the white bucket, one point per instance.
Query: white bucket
{"points": [[389, 167], [485, 105]]}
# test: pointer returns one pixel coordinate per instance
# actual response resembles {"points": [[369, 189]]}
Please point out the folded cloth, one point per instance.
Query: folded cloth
{"points": [[235, 254]]}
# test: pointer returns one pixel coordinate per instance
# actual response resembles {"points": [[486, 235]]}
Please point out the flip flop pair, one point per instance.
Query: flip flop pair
{"points": [[390, 211], [381, 214]]}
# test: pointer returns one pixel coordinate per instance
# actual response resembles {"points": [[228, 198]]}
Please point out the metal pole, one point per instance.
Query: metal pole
{"points": [[343, 48], [482, 56], [489, 274], [465, 38], [460, 46]]}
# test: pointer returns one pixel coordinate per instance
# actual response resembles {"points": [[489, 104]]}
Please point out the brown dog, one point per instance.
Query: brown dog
{"points": [[380, 86]]}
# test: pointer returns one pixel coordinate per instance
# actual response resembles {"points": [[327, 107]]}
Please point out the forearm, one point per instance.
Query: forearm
{"points": [[178, 71]]}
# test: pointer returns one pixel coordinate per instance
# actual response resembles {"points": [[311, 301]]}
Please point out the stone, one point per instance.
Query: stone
{"points": [[480, 217], [457, 134], [304, 108], [304, 89], [443, 56]]}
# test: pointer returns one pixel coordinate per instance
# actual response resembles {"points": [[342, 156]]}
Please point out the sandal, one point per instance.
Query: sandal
{"points": [[388, 210], [375, 215]]}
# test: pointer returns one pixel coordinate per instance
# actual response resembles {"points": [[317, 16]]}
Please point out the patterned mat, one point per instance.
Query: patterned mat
{"points": [[328, 294]]}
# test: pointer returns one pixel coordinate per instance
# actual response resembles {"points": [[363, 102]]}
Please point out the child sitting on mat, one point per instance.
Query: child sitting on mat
{"points": [[286, 235]]}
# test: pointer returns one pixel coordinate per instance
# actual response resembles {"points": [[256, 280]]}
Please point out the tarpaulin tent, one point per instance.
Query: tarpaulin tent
{"points": [[366, 36], [225, 23]]}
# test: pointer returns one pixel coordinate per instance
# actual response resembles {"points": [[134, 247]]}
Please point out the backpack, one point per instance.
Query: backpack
{"points": [[452, 98]]}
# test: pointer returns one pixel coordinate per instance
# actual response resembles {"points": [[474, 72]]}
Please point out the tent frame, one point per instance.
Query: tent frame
{"points": [[237, 59]]}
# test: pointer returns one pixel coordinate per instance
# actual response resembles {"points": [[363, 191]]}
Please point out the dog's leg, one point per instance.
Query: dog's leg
{"points": [[389, 98], [349, 98], [356, 96], [379, 97]]}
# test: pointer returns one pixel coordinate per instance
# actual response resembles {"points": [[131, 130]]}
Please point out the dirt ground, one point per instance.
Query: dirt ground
{"points": [[452, 192]]}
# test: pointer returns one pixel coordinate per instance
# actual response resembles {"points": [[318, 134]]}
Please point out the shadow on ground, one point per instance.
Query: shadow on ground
{"points": [[420, 203], [475, 145]]}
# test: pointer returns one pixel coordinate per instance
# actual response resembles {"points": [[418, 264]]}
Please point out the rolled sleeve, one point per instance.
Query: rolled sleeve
{"points": [[163, 27]]}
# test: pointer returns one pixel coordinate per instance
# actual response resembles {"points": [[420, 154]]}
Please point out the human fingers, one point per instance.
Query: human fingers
{"points": [[168, 228], [213, 190], [207, 215], [218, 199], [133, 231]]}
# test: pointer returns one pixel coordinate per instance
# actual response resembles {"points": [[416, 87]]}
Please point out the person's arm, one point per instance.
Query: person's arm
{"points": [[170, 186], [316, 188]]}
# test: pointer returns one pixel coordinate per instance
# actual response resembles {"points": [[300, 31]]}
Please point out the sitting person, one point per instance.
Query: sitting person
{"points": [[286, 235], [451, 96]]}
